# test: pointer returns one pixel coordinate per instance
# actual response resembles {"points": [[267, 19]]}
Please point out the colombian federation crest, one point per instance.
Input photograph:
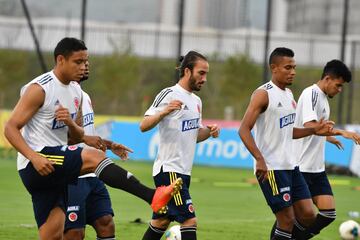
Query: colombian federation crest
{"points": [[76, 102], [286, 197], [191, 208], [72, 217], [72, 147]]}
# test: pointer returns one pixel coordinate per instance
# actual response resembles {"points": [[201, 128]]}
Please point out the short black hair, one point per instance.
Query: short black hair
{"points": [[67, 46], [280, 52], [336, 68], [189, 61]]}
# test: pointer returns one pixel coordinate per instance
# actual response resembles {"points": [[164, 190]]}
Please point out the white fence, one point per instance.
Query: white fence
{"points": [[151, 40]]}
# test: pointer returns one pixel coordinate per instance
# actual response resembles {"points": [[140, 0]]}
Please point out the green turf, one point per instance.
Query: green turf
{"points": [[227, 206]]}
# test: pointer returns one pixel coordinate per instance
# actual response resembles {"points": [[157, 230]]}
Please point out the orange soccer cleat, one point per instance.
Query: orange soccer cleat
{"points": [[164, 194]]}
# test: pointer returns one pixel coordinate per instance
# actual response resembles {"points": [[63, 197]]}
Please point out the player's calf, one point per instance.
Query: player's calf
{"points": [[153, 233], [188, 232], [105, 227], [117, 177], [188, 229], [280, 234], [323, 219], [74, 234]]}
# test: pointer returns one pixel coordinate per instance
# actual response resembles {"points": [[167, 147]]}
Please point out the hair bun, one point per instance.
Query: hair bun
{"points": [[181, 58]]}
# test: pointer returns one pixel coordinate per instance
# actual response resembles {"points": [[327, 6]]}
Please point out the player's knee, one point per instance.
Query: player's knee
{"points": [[192, 222], [161, 223], [105, 226], [56, 235], [74, 234], [307, 216], [91, 158], [288, 221], [285, 219]]}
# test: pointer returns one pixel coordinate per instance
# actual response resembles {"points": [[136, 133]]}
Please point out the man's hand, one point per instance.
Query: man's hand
{"points": [[121, 150], [42, 165], [95, 141], [335, 141], [352, 135], [324, 127], [214, 130], [261, 171], [62, 114], [172, 106]]}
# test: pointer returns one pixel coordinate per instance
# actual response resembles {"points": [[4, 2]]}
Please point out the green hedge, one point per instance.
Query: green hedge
{"points": [[123, 84]]}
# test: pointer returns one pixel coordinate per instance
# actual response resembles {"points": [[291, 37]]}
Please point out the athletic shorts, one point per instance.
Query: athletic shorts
{"points": [[88, 200], [318, 183], [49, 191], [180, 207], [283, 188]]}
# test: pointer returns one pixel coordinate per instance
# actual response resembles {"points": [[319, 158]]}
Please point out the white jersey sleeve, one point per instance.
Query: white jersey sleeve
{"points": [[307, 108], [160, 102]]}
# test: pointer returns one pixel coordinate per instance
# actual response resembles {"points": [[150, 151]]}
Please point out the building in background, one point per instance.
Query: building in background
{"points": [[216, 14], [322, 16]]}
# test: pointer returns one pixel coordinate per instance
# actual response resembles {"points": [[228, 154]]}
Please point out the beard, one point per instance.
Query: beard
{"points": [[192, 83]]}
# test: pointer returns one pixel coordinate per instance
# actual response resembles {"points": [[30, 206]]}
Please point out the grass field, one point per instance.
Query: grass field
{"points": [[227, 206]]}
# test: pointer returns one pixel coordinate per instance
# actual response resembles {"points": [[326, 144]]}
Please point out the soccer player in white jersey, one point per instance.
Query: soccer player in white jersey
{"points": [[309, 152], [88, 201], [177, 110], [271, 112], [46, 113]]}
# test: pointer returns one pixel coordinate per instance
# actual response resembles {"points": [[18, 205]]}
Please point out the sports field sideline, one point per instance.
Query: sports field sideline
{"points": [[228, 204]]}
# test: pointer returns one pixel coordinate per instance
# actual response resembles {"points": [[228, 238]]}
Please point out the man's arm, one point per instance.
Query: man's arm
{"points": [[104, 144], [321, 128], [210, 130], [347, 134], [258, 104], [27, 106], [303, 132], [118, 149], [150, 122]]}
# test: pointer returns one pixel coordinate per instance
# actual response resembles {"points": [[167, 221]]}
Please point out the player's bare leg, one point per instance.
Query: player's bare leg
{"points": [[304, 211], [53, 228], [285, 222], [75, 234], [104, 227], [324, 201]]}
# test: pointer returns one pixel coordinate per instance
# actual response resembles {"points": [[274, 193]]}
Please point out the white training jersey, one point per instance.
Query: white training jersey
{"points": [[42, 129], [273, 129], [310, 151], [178, 131], [88, 123]]}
